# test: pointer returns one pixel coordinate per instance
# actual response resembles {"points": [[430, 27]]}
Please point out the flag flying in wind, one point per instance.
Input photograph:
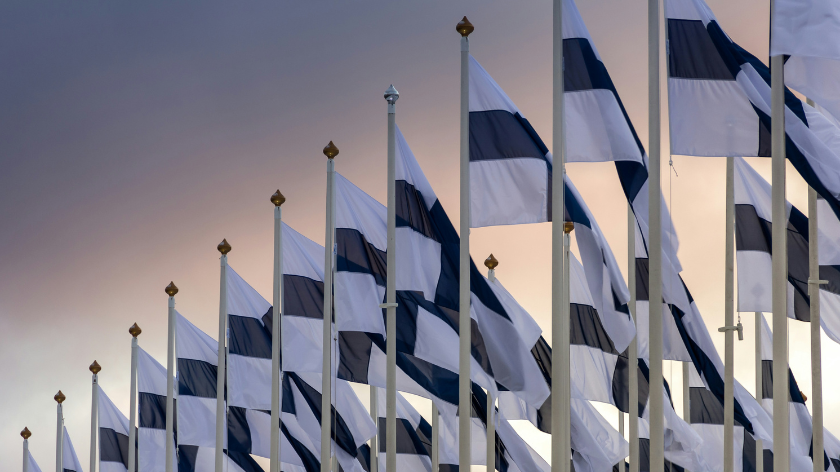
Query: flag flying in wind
{"points": [[151, 433], [753, 232], [720, 102], [197, 361], [113, 436], [33, 466], [70, 461]]}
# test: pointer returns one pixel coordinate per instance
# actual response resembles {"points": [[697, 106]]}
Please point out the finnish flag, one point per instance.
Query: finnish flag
{"points": [[753, 235], [203, 459], [113, 436], [70, 461], [151, 398], [33, 466], [197, 359], [720, 102]]}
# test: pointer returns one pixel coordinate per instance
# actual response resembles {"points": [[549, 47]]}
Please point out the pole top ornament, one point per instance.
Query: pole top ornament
{"points": [[391, 95], [171, 289], [224, 247], [331, 150], [59, 397], [464, 27], [134, 330], [277, 198], [95, 367], [26, 434], [491, 262]]}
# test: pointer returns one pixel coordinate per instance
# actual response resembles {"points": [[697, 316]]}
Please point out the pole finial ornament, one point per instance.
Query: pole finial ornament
{"points": [[491, 262], [95, 368], [331, 150], [171, 289], [464, 27], [26, 434], [224, 247], [391, 95], [568, 227], [134, 330], [277, 198], [59, 397]]}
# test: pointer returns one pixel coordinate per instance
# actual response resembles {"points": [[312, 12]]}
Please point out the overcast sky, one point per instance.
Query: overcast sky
{"points": [[134, 136]]}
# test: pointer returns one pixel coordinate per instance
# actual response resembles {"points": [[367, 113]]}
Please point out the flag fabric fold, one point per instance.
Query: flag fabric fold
{"points": [[197, 361], [33, 466], [151, 398], [70, 461], [113, 436]]}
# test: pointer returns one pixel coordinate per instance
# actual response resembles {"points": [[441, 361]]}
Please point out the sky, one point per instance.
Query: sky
{"points": [[134, 136]]}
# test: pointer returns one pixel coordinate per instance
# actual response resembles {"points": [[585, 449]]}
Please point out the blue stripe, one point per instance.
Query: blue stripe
{"points": [[152, 410], [196, 378], [187, 456], [693, 55], [249, 337], [303, 297], [355, 254], [408, 442], [310, 462], [341, 433], [354, 356], [795, 395], [621, 384], [244, 461], [587, 329], [113, 447], [238, 430], [500, 134]]}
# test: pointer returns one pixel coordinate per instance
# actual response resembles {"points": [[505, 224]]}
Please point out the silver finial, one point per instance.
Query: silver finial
{"points": [[392, 95]]}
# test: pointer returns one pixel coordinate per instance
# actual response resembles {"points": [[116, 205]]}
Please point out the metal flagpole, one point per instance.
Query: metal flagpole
{"points": [[221, 417], [95, 368], [276, 332], [435, 439], [25, 434], [560, 394], [374, 415], [464, 28], [391, 95], [491, 263], [759, 389], [816, 347], [326, 373], [781, 390], [170, 290], [135, 331], [565, 371], [632, 350], [59, 435]]}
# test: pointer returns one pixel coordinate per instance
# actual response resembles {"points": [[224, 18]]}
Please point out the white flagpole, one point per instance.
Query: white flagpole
{"points": [[729, 306], [326, 374], [464, 28], [135, 331], [816, 345], [374, 415], [59, 435], [759, 389], [276, 332], [491, 263], [566, 373], [560, 393], [390, 305], [25, 434], [781, 388], [170, 290], [221, 411], [94, 368], [435, 438], [632, 350]]}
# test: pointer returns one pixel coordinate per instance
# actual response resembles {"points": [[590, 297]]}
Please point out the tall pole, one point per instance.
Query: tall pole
{"points": [[326, 373], [95, 368], [565, 371], [560, 397], [729, 307], [464, 28], [59, 436], [170, 290], [391, 96], [221, 417], [374, 415], [25, 434], [276, 332], [435, 439], [816, 346], [632, 350], [781, 388], [759, 443], [135, 331], [491, 263]]}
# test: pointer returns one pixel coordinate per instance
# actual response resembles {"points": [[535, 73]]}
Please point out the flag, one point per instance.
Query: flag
{"points": [[33, 466], [197, 359], [113, 436], [203, 459], [753, 233], [720, 102], [69, 461], [151, 434]]}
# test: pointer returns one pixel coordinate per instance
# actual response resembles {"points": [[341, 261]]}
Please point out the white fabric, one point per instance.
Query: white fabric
{"points": [[816, 78], [249, 382], [111, 418], [242, 299], [192, 343], [151, 443], [151, 376], [196, 415], [809, 28], [69, 459], [33, 466]]}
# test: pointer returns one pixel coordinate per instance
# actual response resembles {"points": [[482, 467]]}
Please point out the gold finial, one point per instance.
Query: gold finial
{"points": [[331, 150], [59, 397], [135, 330], [491, 262], [26, 433], [171, 289], [95, 368], [568, 227], [224, 247], [464, 27], [278, 199]]}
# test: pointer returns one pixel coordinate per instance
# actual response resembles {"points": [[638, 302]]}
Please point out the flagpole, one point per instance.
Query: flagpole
{"points": [[560, 394], [276, 332], [221, 418], [59, 437], [491, 263], [135, 331], [781, 389], [464, 28], [566, 373], [170, 290], [390, 305], [759, 389], [94, 368], [326, 373], [816, 347], [25, 434], [729, 305], [435, 438], [374, 415], [632, 350]]}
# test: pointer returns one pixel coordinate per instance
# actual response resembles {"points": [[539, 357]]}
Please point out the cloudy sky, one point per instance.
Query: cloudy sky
{"points": [[134, 136]]}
